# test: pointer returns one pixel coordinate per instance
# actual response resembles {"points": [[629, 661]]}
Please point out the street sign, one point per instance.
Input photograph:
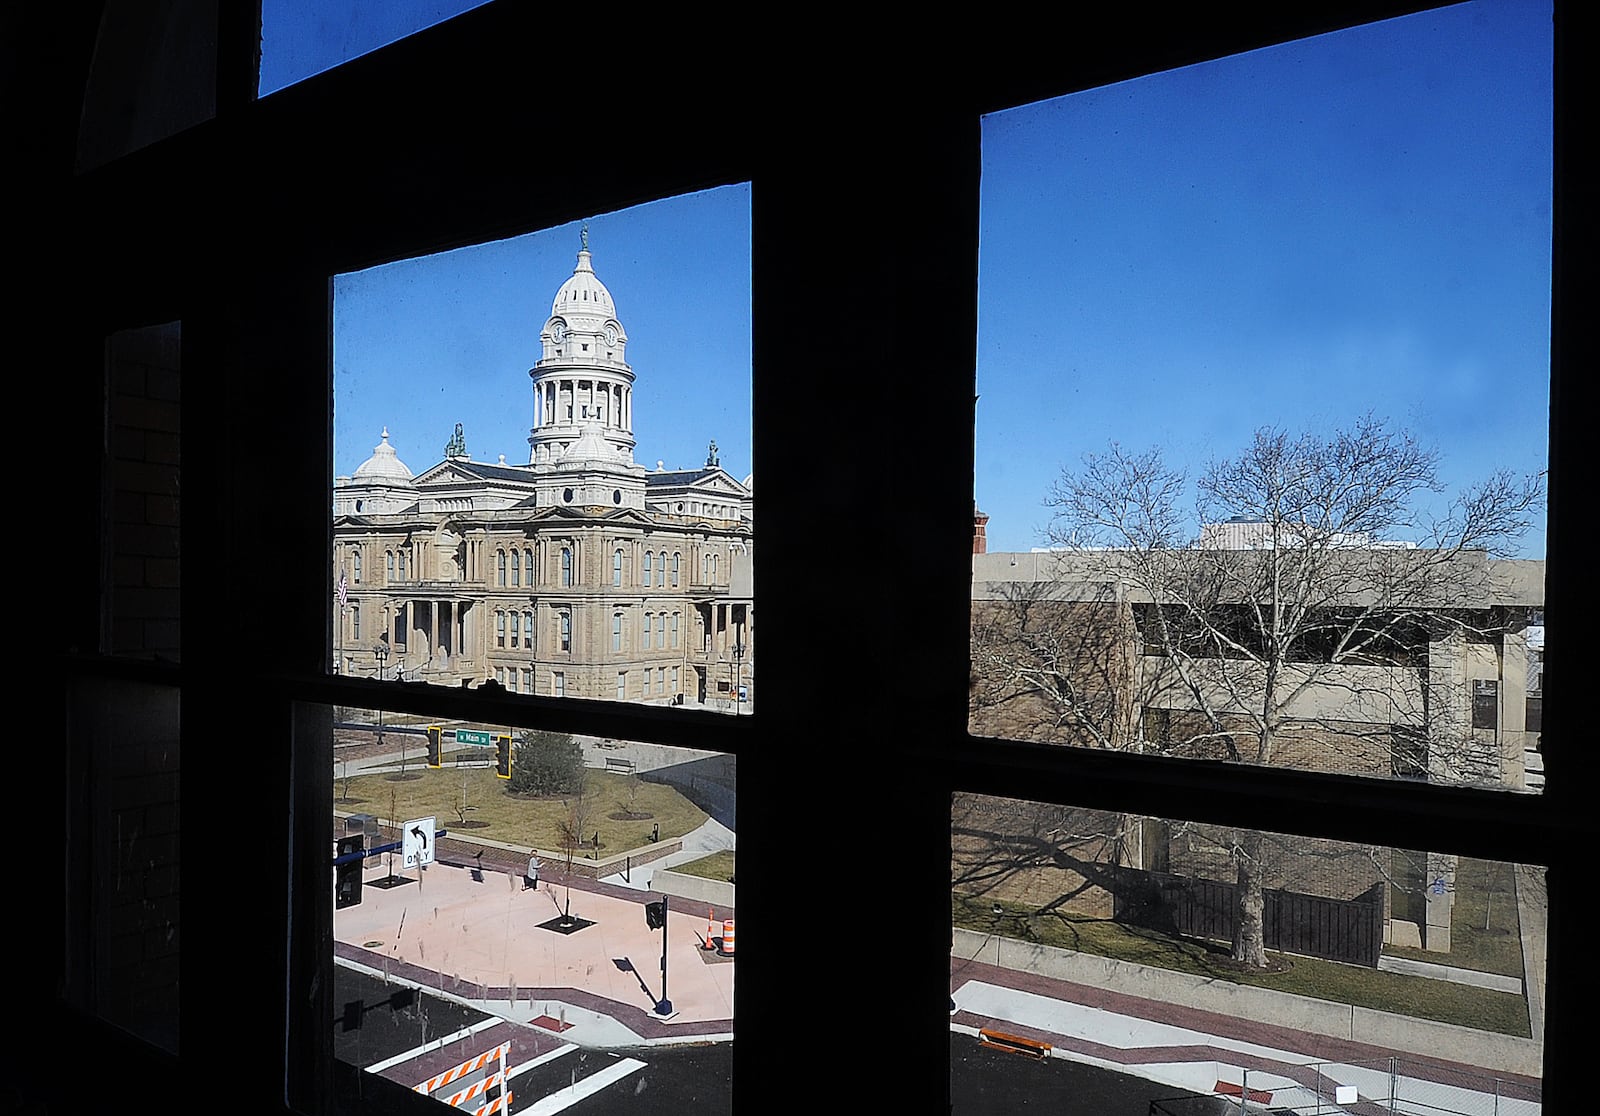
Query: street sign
{"points": [[475, 736], [416, 843]]}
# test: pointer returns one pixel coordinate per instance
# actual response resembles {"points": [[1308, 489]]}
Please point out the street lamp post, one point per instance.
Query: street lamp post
{"points": [[738, 676], [381, 651]]}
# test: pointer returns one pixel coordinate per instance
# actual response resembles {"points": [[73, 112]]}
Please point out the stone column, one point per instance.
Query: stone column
{"points": [[1441, 897], [1513, 707], [1449, 709]]}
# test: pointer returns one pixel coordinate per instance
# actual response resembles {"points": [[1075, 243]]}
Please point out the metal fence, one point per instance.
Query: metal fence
{"points": [[1382, 1087], [1349, 930]]}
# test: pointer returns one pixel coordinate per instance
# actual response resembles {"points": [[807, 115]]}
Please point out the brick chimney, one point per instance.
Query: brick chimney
{"points": [[980, 525]]}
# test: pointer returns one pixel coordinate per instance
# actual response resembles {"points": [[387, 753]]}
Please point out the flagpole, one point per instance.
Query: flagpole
{"points": [[342, 593]]}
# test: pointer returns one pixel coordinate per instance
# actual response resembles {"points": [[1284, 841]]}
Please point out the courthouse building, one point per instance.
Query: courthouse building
{"points": [[577, 573]]}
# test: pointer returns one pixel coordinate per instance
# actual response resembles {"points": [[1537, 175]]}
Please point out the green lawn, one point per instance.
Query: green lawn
{"points": [[717, 866], [534, 822], [1485, 934], [1480, 1008]]}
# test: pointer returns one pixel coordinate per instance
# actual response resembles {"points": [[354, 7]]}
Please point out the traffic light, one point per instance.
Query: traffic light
{"points": [[502, 756], [655, 914], [347, 875], [434, 733]]}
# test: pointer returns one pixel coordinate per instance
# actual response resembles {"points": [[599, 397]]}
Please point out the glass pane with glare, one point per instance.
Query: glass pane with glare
{"points": [[124, 953], [558, 909], [1165, 963], [1264, 406], [542, 462]]}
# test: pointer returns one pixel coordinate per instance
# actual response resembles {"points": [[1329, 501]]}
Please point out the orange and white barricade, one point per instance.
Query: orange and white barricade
{"points": [[476, 1089], [726, 948], [471, 1080], [501, 1103]]}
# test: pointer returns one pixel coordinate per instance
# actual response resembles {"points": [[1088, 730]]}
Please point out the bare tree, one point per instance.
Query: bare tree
{"points": [[1058, 861], [580, 814], [1299, 605]]}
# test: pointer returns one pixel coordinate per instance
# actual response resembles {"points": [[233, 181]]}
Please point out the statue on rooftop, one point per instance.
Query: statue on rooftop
{"points": [[457, 445]]}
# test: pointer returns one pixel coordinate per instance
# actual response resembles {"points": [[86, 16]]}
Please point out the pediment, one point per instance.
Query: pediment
{"points": [[632, 515], [714, 482], [446, 472]]}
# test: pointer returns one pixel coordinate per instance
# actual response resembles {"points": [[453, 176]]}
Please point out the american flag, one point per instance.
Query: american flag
{"points": [[343, 592]]}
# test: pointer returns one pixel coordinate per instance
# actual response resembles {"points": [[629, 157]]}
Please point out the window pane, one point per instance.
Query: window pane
{"points": [[529, 925], [123, 864], [432, 363], [1264, 375], [154, 74], [143, 439], [1112, 938], [300, 39]]}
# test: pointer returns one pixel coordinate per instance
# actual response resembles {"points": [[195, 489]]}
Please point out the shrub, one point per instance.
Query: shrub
{"points": [[547, 763]]}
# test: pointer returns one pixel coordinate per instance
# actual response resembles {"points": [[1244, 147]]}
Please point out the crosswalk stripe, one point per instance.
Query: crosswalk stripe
{"points": [[563, 1099], [435, 1044], [547, 1056]]}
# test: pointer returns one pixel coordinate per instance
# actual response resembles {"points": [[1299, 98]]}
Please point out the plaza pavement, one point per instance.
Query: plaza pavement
{"points": [[480, 936]]}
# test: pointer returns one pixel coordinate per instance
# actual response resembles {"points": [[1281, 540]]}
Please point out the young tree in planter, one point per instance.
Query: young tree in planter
{"points": [[1308, 575]]}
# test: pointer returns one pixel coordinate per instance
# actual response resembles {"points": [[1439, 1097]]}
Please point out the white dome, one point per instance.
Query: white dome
{"points": [[591, 446], [384, 466], [583, 295]]}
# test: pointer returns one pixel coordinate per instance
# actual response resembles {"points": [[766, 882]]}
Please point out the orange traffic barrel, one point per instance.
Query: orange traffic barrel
{"points": [[726, 948]]}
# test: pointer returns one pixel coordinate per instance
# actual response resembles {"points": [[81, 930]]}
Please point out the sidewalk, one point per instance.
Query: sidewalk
{"points": [[1187, 1048]]}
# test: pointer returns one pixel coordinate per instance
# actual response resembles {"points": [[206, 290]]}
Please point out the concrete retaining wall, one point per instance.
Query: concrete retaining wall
{"points": [[696, 889], [1400, 1033]]}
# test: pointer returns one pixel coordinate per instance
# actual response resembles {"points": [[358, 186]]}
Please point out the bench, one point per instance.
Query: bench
{"points": [[620, 765]]}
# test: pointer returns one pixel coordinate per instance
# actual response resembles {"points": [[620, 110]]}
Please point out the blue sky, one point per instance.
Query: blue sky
{"points": [[420, 345], [1291, 236], [304, 37]]}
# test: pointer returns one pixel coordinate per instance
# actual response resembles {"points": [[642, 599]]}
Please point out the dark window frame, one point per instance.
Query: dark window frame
{"points": [[253, 292]]}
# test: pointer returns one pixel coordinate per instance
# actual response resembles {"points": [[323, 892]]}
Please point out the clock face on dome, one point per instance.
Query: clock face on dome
{"points": [[558, 331], [611, 334]]}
